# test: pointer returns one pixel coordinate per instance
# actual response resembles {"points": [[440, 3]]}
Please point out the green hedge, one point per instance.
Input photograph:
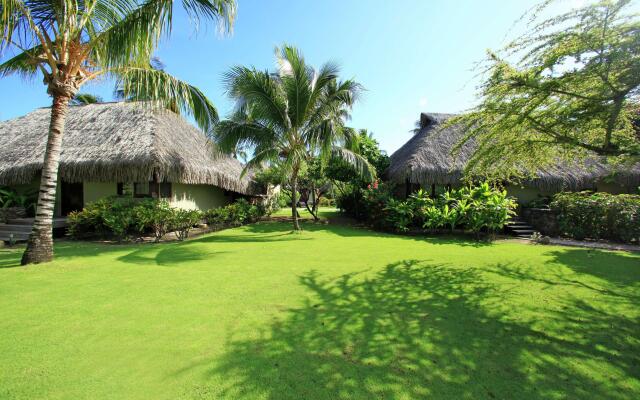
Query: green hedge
{"points": [[239, 213], [122, 218], [598, 215]]}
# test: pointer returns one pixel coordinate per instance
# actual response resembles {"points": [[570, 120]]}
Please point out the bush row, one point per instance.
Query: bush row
{"points": [[239, 213], [598, 215], [121, 218], [476, 209]]}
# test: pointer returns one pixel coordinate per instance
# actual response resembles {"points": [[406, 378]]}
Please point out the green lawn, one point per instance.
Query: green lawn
{"points": [[331, 313]]}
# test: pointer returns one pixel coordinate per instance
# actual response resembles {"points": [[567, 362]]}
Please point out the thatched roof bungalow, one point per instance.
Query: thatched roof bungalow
{"points": [[426, 160], [110, 147]]}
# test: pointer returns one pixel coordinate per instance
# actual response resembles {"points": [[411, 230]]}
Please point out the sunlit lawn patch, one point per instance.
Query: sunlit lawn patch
{"points": [[333, 313]]}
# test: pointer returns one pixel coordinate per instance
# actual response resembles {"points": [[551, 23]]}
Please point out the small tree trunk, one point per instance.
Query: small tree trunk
{"points": [[294, 200], [313, 210], [316, 202], [40, 244]]}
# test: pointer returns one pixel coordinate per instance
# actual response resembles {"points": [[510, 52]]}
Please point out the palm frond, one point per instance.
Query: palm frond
{"points": [[24, 64], [134, 37], [297, 81], [230, 134], [260, 156], [363, 168], [262, 91], [160, 88], [222, 11], [12, 19]]}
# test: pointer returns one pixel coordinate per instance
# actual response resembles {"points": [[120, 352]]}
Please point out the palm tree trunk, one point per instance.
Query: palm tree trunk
{"points": [[294, 200], [40, 243]]}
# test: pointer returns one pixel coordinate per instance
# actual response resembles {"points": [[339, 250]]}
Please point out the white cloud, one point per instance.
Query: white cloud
{"points": [[422, 102]]}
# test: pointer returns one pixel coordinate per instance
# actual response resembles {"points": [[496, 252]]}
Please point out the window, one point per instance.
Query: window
{"points": [[141, 189], [157, 190]]}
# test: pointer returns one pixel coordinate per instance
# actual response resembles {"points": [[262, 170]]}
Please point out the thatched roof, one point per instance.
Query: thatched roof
{"points": [[118, 142], [426, 159]]}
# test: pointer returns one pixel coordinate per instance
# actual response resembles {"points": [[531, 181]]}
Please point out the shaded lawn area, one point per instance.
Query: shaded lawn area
{"points": [[332, 313]]}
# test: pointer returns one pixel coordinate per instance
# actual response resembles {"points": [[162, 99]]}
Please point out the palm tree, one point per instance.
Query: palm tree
{"points": [[71, 42], [82, 99], [290, 116]]}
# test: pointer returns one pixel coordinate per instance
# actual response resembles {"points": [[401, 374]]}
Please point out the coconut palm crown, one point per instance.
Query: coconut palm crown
{"points": [[72, 42], [291, 116]]}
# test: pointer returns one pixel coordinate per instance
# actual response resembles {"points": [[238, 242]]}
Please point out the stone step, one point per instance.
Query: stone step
{"points": [[523, 231], [520, 228]]}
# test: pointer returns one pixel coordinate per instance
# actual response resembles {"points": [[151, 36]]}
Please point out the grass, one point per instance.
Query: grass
{"points": [[332, 313]]}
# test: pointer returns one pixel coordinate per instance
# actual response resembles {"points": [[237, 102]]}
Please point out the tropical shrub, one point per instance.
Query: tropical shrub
{"points": [[598, 215], [481, 208], [242, 212], [158, 218], [284, 199], [118, 219], [399, 214], [217, 216], [350, 201], [184, 221], [477, 209], [239, 213], [433, 218], [97, 219], [326, 202], [12, 198], [485, 208], [366, 204], [420, 201]]}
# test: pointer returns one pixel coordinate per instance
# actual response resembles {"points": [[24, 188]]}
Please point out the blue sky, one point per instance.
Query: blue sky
{"points": [[410, 55]]}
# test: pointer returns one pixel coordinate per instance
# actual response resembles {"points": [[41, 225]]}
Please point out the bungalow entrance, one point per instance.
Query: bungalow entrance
{"points": [[71, 197]]}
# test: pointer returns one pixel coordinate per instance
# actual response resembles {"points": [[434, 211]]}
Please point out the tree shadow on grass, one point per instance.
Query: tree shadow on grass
{"points": [[619, 268], [10, 258], [592, 318], [418, 330], [169, 255], [278, 231]]}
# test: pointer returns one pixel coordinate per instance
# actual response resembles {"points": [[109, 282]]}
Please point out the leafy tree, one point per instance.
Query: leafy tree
{"points": [[349, 185], [71, 42], [571, 96], [363, 143], [314, 186], [290, 116]]}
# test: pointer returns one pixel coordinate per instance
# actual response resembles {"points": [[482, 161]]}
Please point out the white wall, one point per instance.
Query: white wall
{"points": [[197, 197], [190, 197], [527, 193], [93, 191]]}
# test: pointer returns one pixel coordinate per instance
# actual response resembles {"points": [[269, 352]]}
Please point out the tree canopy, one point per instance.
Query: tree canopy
{"points": [[572, 94], [290, 116], [363, 143], [71, 42]]}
